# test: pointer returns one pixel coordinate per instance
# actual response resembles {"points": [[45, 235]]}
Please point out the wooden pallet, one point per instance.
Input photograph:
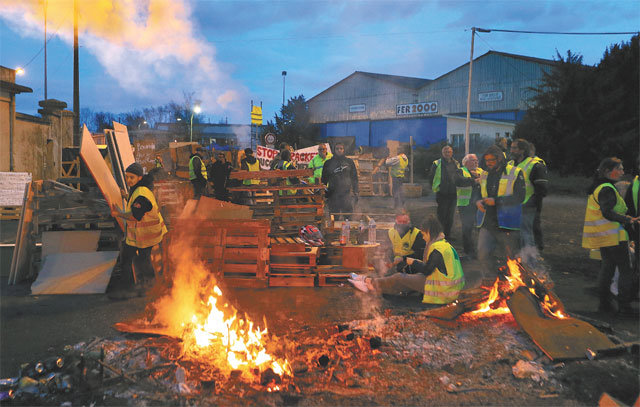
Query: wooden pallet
{"points": [[292, 280], [237, 251], [10, 212]]}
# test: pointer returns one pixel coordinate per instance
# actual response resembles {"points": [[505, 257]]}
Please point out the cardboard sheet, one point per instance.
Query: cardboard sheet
{"points": [[75, 273], [100, 172], [70, 241]]}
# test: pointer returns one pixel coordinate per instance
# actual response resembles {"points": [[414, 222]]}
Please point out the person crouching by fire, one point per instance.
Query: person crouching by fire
{"points": [[406, 241], [145, 229], [438, 276]]}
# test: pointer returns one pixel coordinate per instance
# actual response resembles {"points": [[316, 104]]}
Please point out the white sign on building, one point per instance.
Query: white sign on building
{"points": [[416, 108], [357, 108], [490, 97]]}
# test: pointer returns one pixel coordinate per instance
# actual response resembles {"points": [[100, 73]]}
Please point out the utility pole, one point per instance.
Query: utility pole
{"points": [[45, 49], [466, 126], [76, 79]]}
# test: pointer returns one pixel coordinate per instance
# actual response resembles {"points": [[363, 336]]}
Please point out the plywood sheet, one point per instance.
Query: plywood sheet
{"points": [[210, 208], [123, 144], [71, 241], [100, 172], [75, 273], [559, 339]]}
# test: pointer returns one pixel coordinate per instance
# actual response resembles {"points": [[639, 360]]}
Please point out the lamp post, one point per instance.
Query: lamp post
{"points": [[196, 109], [284, 75]]}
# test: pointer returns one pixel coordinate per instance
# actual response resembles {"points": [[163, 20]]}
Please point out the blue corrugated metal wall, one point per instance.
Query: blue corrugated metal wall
{"points": [[425, 131], [511, 116]]}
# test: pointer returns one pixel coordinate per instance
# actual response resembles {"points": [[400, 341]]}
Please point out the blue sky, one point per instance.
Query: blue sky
{"points": [[141, 53]]}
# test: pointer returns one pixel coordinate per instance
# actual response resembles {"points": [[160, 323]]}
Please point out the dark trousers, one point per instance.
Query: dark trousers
{"points": [[199, 186], [537, 228], [612, 257], [446, 211], [468, 220], [398, 195], [340, 203], [142, 259]]}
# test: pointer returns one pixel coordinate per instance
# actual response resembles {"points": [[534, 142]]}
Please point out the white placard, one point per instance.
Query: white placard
{"points": [[357, 108], [490, 97], [12, 187]]}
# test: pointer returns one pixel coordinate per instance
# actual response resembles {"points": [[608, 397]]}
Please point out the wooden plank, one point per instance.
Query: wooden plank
{"points": [[246, 282], [100, 172], [277, 187], [559, 339], [10, 212], [268, 174], [240, 268], [121, 136], [287, 247], [292, 280], [332, 279], [22, 235], [240, 254]]}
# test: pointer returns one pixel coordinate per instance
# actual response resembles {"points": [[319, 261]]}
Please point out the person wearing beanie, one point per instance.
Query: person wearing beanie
{"points": [[145, 229], [499, 215], [406, 241]]}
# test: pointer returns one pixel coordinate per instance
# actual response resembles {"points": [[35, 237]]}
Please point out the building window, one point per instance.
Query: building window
{"points": [[457, 140]]}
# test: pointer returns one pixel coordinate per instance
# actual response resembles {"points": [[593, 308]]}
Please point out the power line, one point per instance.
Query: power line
{"points": [[488, 30]]}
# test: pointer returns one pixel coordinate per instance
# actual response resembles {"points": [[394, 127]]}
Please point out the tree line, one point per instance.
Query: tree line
{"points": [[581, 114]]}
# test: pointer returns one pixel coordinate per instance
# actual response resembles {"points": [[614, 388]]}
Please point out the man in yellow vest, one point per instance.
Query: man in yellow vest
{"points": [[317, 163], [249, 163], [438, 276], [145, 228], [603, 230], [444, 174], [405, 241], [468, 193], [198, 173], [632, 199], [499, 213], [397, 166], [535, 180]]}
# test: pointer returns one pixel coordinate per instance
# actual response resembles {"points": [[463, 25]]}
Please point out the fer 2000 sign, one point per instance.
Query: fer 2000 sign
{"points": [[417, 108]]}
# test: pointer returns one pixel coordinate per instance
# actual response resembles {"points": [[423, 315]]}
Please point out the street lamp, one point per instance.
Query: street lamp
{"points": [[196, 109], [284, 75]]}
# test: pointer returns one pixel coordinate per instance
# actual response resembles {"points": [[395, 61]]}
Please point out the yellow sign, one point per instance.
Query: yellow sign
{"points": [[256, 115]]}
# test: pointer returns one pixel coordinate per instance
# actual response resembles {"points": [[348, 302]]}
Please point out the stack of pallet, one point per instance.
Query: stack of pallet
{"points": [[371, 184], [292, 265]]}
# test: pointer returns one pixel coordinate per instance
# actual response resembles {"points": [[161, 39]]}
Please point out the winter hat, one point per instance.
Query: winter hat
{"points": [[136, 169]]}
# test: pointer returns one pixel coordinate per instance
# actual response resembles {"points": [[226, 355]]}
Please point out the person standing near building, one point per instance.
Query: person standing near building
{"points": [[145, 227], [198, 173], [341, 177], [443, 183], [632, 200], [317, 163], [219, 173], [285, 163], [535, 179], [502, 189], [537, 224], [397, 166], [252, 164], [466, 197], [604, 230]]}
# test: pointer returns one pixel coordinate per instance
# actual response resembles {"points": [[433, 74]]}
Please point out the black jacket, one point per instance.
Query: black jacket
{"points": [[340, 175], [141, 205]]}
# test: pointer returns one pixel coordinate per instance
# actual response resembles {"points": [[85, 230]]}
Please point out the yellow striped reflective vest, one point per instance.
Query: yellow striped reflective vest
{"points": [[464, 193], [440, 288], [402, 245], [600, 232], [252, 167], [526, 166], [149, 230], [398, 169], [203, 169], [508, 216], [635, 186]]}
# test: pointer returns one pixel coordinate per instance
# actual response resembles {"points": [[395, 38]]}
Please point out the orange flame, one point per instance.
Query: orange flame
{"points": [[212, 332]]}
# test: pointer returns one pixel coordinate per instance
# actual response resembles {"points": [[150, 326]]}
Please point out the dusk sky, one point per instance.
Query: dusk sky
{"points": [[137, 54]]}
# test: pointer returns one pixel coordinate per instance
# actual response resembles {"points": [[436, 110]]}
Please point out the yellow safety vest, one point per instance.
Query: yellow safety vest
{"points": [[600, 232], [253, 168], [435, 186], [203, 169], [526, 166], [398, 169], [464, 193], [440, 288], [149, 230], [508, 216], [635, 186], [285, 166], [402, 246], [317, 164]]}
